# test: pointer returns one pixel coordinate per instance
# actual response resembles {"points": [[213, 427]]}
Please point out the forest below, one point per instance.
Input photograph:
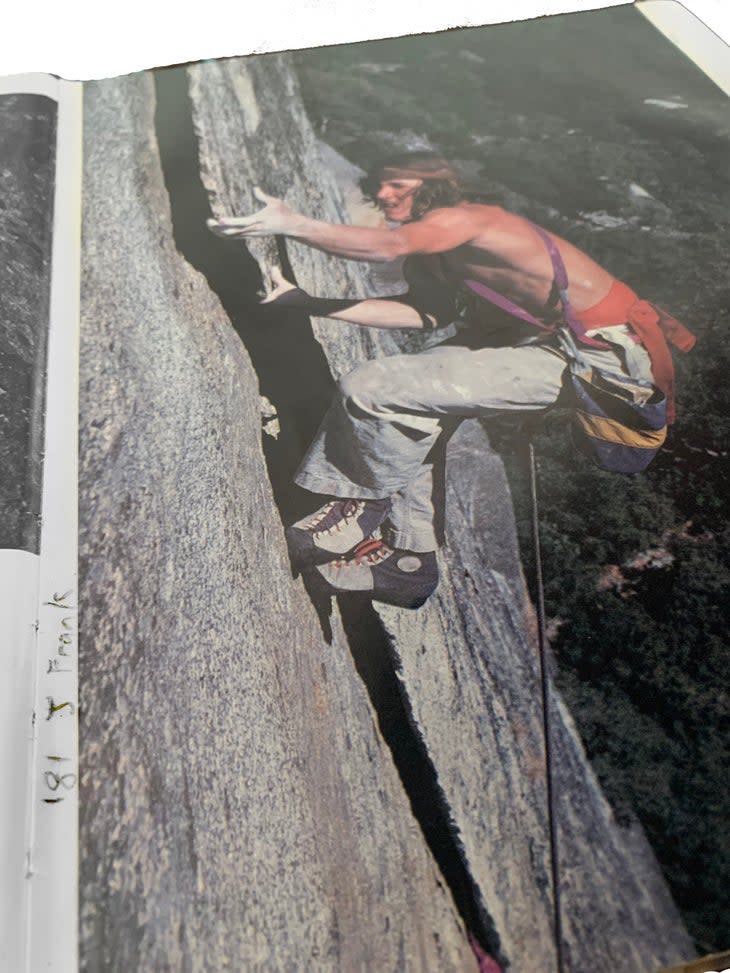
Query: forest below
{"points": [[594, 126]]}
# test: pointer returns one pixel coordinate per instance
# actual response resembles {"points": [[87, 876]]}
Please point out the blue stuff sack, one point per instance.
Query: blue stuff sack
{"points": [[618, 422]]}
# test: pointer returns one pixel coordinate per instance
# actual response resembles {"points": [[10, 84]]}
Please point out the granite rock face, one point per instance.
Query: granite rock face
{"points": [[239, 809], [468, 665], [254, 132], [467, 661]]}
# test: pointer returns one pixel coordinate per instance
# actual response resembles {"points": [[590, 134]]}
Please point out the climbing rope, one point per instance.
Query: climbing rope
{"points": [[542, 643]]}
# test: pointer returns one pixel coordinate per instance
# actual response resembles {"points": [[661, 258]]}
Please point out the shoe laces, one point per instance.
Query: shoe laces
{"points": [[372, 549], [334, 516]]}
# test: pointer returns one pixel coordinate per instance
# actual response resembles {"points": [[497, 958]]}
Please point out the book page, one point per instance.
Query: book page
{"points": [[182, 537], [288, 766]]}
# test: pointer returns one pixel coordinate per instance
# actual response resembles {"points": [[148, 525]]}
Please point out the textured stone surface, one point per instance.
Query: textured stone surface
{"points": [[248, 140], [239, 809], [27, 180], [467, 659], [469, 669]]}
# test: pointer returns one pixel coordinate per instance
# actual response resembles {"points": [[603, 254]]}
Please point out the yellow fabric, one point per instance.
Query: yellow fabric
{"points": [[616, 432]]}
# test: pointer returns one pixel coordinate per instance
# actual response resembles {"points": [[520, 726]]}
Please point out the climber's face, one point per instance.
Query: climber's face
{"points": [[395, 198]]}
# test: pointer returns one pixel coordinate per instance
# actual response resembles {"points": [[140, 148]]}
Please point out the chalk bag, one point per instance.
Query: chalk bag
{"points": [[618, 422]]}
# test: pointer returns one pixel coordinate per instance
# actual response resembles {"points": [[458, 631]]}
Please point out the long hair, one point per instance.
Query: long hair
{"points": [[441, 183]]}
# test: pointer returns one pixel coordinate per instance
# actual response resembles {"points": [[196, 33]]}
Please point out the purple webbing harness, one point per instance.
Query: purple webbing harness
{"points": [[561, 282]]}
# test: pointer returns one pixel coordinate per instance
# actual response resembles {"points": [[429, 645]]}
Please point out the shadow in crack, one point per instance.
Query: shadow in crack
{"points": [[292, 370], [293, 373], [322, 605], [373, 658]]}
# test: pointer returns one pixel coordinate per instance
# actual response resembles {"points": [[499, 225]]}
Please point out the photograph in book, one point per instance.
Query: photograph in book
{"points": [[355, 321], [27, 179]]}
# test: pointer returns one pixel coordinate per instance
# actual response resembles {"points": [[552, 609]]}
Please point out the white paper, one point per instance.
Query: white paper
{"points": [[81, 39]]}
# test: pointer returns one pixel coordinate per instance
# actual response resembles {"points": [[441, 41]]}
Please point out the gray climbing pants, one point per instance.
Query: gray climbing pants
{"points": [[389, 413]]}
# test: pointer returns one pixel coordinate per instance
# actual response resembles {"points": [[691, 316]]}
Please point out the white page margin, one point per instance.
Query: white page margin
{"points": [[19, 586], [52, 926], [679, 25]]}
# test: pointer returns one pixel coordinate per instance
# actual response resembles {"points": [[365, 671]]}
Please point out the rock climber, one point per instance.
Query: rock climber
{"points": [[373, 455]]}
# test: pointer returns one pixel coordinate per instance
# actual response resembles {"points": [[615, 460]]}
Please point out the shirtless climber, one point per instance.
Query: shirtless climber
{"points": [[371, 453]]}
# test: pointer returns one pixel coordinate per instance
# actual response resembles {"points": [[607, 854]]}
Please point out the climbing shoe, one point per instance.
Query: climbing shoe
{"points": [[334, 530], [387, 574]]}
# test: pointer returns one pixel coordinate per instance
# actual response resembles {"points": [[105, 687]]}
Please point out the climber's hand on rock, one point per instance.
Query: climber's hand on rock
{"points": [[278, 287], [277, 217]]}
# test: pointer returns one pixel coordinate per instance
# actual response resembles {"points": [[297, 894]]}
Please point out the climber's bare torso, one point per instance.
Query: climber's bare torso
{"points": [[505, 253]]}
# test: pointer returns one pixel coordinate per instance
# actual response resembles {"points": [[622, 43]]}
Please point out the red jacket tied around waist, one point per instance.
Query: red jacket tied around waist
{"points": [[652, 326]]}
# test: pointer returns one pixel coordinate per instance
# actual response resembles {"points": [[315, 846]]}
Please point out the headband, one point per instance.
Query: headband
{"points": [[392, 172]]}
